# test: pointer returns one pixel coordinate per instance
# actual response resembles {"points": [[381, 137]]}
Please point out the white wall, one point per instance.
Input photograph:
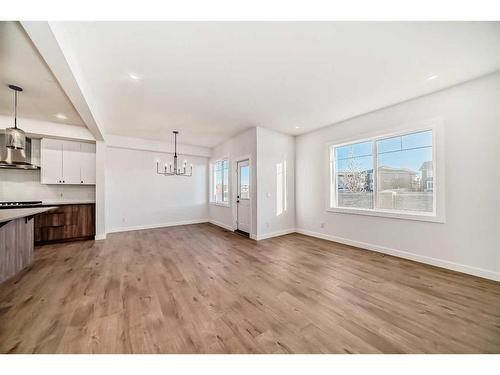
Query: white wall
{"points": [[266, 148], [242, 145], [275, 148], [24, 185], [468, 241], [136, 197], [162, 149]]}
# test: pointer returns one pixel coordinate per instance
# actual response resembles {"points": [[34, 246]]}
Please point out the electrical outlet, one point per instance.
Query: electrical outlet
{"points": [[322, 225]]}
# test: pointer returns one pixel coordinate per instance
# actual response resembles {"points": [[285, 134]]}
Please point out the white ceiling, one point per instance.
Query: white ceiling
{"points": [[211, 80], [21, 65]]}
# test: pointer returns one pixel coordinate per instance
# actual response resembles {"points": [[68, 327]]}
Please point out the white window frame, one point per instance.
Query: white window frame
{"points": [[438, 213], [213, 197]]}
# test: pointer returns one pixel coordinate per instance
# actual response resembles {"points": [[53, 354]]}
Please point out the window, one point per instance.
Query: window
{"points": [[220, 182], [392, 174], [281, 188]]}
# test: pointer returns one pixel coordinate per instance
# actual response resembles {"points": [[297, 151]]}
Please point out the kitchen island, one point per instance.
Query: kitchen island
{"points": [[17, 239]]}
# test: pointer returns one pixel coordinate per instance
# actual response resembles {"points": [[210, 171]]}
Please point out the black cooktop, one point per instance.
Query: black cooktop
{"points": [[23, 204]]}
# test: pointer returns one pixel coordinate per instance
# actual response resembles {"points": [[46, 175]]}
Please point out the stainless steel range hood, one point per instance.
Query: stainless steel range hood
{"points": [[13, 158]]}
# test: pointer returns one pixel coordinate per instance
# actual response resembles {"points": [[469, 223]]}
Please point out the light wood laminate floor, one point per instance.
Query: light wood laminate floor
{"points": [[202, 289]]}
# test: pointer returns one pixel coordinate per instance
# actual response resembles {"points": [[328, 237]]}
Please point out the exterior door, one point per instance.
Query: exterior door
{"points": [[243, 196]]}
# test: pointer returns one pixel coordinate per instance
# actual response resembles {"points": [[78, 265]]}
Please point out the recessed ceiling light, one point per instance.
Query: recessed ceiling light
{"points": [[432, 77], [297, 127], [133, 76], [60, 116]]}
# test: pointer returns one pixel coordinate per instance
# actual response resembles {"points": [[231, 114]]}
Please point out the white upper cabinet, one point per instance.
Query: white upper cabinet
{"points": [[51, 161], [71, 162], [67, 162], [87, 165]]}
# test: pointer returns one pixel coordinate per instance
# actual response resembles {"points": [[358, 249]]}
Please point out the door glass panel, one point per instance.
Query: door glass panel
{"points": [[244, 192]]}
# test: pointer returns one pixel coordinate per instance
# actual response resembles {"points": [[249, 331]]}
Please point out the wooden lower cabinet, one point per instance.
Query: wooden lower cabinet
{"points": [[66, 223]]}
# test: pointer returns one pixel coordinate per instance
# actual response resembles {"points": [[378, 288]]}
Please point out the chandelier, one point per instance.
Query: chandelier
{"points": [[175, 171]]}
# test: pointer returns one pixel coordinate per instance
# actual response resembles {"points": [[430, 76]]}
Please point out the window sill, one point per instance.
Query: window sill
{"points": [[220, 204], [390, 214]]}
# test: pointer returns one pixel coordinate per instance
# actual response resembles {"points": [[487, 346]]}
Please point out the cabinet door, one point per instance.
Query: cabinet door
{"points": [[71, 162], [87, 166], [51, 161], [66, 222]]}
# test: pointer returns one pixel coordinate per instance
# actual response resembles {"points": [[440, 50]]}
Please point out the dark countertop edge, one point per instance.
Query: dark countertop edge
{"points": [[45, 205], [61, 204]]}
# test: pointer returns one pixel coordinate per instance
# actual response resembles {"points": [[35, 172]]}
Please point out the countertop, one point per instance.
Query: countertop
{"points": [[17, 213], [62, 202]]}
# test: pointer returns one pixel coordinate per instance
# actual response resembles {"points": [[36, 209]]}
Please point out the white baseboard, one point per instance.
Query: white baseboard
{"points": [[99, 237], [274, 234], [487, 274], [160, 225], [222, 225]]}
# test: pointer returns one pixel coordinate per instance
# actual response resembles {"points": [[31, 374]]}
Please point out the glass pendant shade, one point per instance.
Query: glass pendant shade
{"points": [[15, 138]]}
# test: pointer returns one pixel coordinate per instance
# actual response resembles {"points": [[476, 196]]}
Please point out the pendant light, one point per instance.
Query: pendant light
{"points": [[176, 170], [15, 137]]}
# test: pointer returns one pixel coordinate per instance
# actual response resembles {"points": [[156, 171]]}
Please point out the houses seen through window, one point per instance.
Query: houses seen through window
{"points": [[392, 173]]}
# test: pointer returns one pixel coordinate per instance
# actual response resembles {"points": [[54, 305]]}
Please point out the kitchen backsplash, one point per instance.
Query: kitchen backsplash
{"points": [[21, 185]]}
